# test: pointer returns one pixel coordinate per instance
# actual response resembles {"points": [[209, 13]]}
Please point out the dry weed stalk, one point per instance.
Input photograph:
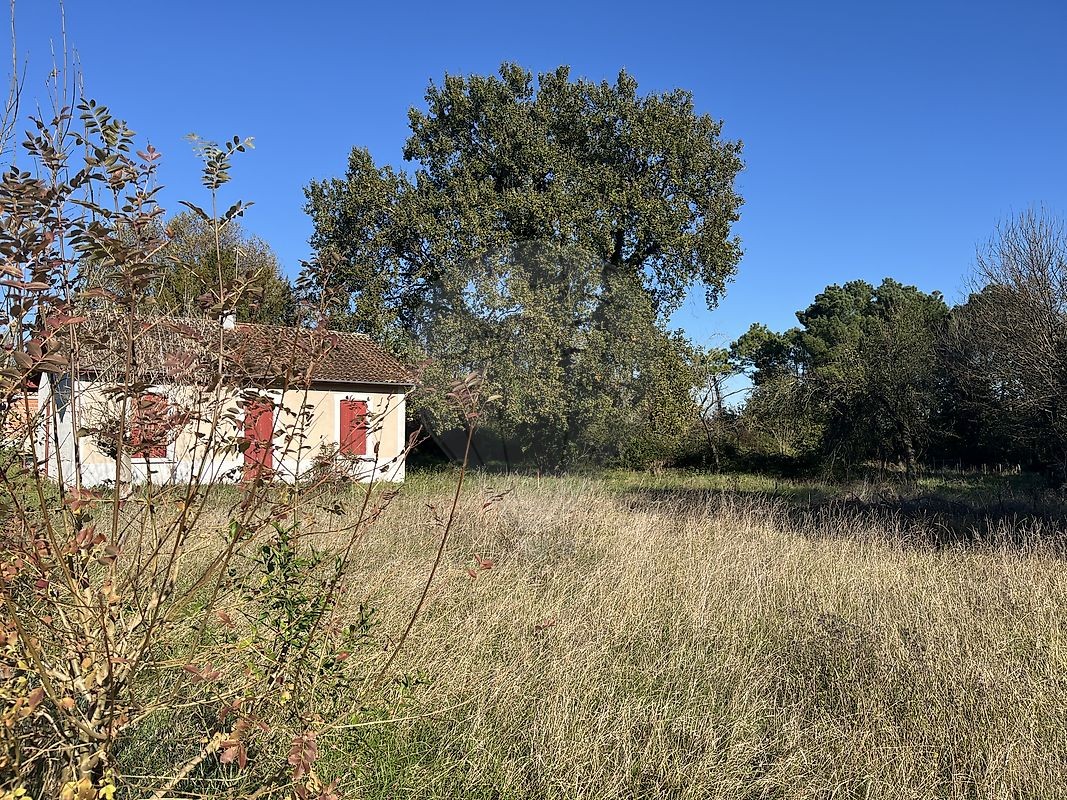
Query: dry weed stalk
{"points": [[128, 605]]}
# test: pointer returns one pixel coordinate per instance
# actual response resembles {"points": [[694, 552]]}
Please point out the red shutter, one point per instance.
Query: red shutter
{"points": [[148, 426], [259, 433], [353, 428]]}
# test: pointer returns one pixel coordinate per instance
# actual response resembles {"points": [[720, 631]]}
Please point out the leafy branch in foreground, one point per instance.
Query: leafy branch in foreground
{"points": [[209, 611]]}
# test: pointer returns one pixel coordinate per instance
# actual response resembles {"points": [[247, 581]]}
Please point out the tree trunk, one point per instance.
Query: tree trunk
{"points": [[909, 453]]}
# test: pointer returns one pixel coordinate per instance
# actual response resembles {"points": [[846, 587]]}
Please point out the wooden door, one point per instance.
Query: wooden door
{"points": [[259, 433], [353, 428]]}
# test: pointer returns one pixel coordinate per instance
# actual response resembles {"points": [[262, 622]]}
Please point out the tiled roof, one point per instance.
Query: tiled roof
{"points": [[173, 348]]}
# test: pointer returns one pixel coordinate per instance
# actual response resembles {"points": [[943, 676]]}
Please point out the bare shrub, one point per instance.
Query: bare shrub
{"points": [[162, 602]]}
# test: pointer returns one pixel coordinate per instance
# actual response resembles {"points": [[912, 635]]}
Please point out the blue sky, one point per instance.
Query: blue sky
{"points": [[880, 139]]}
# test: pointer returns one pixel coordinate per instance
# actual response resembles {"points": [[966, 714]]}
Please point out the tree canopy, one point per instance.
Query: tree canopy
{"points": [[189, 266], [858, 378], [191, 270], [1006, 355], [545, 232]]}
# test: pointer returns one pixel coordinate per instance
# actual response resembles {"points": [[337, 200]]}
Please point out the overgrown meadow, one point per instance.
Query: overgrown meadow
{"points": [[681, 636]]}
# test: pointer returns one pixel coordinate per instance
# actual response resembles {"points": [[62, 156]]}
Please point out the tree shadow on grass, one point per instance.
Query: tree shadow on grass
{"points": [[926, 514]]}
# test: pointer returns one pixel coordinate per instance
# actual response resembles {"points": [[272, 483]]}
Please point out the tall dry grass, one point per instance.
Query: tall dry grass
{"points": [[582, 642]]}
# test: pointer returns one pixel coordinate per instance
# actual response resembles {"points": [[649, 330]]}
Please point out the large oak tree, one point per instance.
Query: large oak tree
{"points": [[544, 231]]}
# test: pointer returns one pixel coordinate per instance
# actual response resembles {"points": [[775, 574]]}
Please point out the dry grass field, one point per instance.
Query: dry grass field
{"points": [[615, 638]]}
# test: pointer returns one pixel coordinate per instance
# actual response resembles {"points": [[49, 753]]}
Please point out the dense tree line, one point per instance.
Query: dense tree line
{"points": [[892, 374], [858, 379], [546, 230]]}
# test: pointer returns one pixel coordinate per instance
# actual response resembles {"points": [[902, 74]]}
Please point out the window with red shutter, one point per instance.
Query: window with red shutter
{"points": [[149, 426], [353, 439], [259, 435]]}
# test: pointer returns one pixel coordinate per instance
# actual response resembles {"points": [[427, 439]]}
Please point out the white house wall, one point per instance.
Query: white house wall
{"points": [[304, 422]]}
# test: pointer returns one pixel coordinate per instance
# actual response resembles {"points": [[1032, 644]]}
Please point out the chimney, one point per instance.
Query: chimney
{"points": [[229, 320]]}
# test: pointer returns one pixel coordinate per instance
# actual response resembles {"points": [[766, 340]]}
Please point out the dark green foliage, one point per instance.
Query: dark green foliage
{"points": [[292, 611], [189, 277], [859, 379], [544, 235]]}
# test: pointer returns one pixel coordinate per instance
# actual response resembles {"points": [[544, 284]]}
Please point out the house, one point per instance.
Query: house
{"points": [[173, 399]]}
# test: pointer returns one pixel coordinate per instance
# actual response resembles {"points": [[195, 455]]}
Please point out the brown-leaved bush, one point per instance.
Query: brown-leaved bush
{"points": [[186, 602]]}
